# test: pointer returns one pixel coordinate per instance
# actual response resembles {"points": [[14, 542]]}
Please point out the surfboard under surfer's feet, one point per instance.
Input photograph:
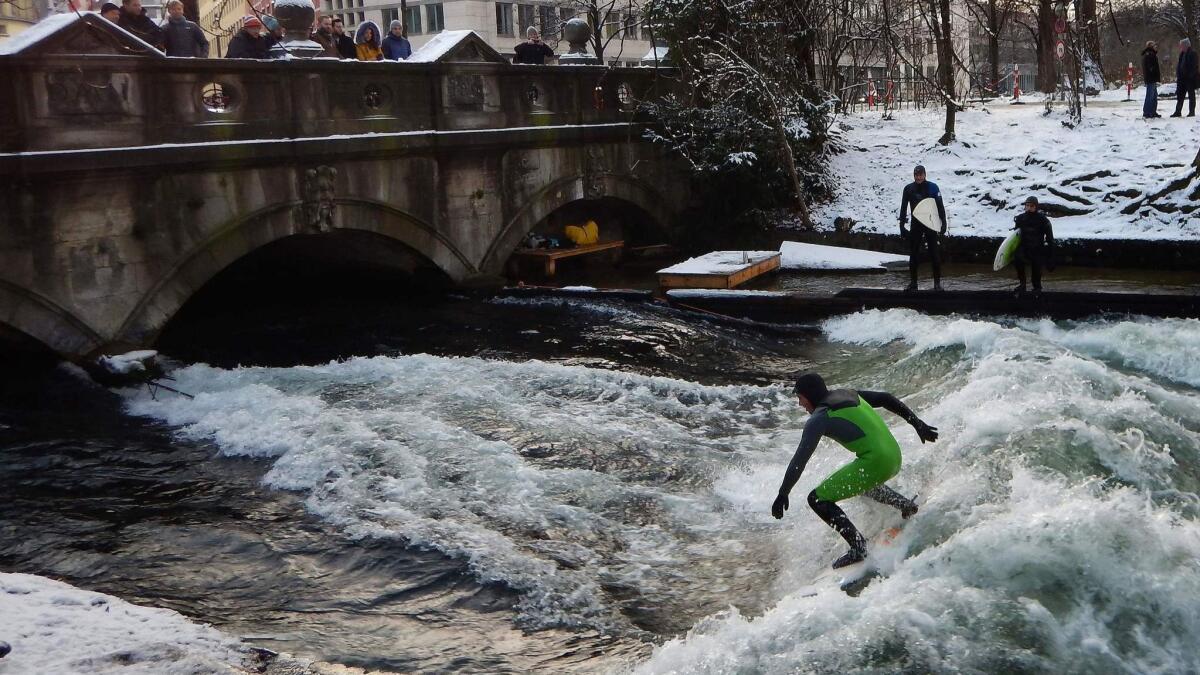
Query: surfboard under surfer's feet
{"points": [[849, 558]]}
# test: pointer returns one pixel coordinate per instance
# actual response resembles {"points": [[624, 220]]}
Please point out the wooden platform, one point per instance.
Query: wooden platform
{"points": [[723, 275], [547, 257]]}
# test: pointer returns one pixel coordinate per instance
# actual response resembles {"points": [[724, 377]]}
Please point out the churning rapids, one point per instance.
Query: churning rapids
{"points": [[570, 486]]}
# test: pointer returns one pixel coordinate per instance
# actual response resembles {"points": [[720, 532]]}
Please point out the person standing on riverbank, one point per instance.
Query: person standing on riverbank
{"points": [[916, 191], [1037, 245], [849, 417], [1187, 76], [1151, 76]]}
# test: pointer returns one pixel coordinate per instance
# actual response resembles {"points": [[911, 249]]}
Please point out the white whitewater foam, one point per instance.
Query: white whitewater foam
{"points": [[1059, 530]]}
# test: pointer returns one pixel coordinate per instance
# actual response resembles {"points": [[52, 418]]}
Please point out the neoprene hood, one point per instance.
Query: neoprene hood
{"points": [[812, 387]]}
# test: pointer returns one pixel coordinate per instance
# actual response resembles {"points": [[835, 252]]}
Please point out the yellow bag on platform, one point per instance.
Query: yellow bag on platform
{"points": [[583, 236]]}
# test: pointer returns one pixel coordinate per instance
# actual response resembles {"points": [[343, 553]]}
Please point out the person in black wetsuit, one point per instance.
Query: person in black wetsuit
{"points": [[914, 192], [1036, 247], [849, 417]]}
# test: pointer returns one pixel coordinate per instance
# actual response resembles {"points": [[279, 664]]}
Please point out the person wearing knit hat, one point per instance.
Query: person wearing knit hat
{"points": [[249, 42], [848, 417], [1036, 248], [111, 11], [395, 46]]}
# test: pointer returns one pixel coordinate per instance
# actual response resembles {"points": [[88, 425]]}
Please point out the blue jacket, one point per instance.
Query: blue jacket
{"points": [[396, 48]]}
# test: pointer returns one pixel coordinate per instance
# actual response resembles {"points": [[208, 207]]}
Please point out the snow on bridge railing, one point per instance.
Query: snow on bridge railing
{"points": [[69, 102]]}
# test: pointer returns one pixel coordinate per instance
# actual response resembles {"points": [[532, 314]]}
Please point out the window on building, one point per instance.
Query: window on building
{"points": [[525, 14], [547, 20], [412, 20], [362, 16], [632, 25], [504, 18], [390, 14], [565, 14], [612, 24], [435, 18]]}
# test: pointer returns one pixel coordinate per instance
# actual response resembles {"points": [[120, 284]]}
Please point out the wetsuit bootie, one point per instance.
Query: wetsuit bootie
{"points": [[911, 288], [849, 558], [937, 285]]}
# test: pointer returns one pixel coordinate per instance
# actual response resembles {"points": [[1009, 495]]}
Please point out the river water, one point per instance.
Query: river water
{"points": [[555, 486]]}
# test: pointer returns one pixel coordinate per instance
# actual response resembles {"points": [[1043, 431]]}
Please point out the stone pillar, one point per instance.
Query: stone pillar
{"points": [[296, 17], [578, 32]]}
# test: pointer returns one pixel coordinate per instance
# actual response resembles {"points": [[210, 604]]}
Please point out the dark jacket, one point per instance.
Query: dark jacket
{"points": [[1036, 232], [247, 46], [913, 194], [141, 26], [1185, 70], [396, 48], [1150, 72], [184, 38], [328, 43], [535, 54], [345, 46]]}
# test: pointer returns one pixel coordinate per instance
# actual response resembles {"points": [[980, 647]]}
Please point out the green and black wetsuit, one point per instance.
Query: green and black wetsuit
{"points": [[849, 417]]}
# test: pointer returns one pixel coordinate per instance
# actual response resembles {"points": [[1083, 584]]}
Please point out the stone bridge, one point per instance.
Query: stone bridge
{"points": [[131, 179]]}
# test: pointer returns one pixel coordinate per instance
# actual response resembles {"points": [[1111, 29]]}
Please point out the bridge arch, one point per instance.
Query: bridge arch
{"points": [[565, 191], [45, 321], [253, 231]]}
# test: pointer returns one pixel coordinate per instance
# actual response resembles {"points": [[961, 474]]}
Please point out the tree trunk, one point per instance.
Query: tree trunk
{"points": [[993, 20], [1090, 30], [945, 42], [1046, 70], [1189, 18], [790, 160]]}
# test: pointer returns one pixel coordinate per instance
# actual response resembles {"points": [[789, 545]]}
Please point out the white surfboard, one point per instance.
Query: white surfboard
{"points": [[926, 211], [853, 578], [1007, 250]]}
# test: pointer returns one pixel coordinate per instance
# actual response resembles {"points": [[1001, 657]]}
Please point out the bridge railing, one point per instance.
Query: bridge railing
{"points": [[99, 101]]}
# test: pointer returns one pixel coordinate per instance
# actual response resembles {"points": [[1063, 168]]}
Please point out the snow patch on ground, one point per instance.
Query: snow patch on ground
{"points": [[800, 256], [54, 627], [1005, 153]]}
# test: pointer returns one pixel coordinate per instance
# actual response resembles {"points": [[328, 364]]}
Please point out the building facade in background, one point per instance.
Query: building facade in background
{"points": [[17, 15]]}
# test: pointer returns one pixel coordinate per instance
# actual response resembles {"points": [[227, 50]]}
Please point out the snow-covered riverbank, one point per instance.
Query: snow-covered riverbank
{"points": [[1005, 153]]}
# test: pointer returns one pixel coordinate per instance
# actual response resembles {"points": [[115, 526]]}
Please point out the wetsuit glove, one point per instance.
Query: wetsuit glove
{"points": [[780, 505], [926, 433]]}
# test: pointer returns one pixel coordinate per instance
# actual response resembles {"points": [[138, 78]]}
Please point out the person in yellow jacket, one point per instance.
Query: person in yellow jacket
{"points": [[366, 42]]}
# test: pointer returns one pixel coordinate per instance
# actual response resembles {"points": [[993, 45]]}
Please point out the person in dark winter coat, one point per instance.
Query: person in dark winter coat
{"points": [[182, 37], [323, 36], [533, 51], [395, 46], [914, 193], [1037, 245], [133, 19], [249, 42], [1187, 77], [1151, 76], [345, 43], [110, 12]]}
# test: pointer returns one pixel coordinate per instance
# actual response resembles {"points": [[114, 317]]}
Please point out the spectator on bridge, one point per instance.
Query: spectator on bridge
{"points": [[111, 12], [345, 44], [323, 36], [1187, 77], [395, 45], [274, 31], [1151, 76], [133, 19], [533, 51], [249, 42], [182, 37], [366, 42]]}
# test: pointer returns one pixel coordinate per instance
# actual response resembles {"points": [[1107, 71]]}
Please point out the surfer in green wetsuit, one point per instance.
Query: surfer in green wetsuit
{"points": [[849, 417]]}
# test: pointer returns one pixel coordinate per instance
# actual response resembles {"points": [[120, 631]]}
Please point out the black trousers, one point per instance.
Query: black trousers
{"points": [[916, 235], [1035, 257], [1188, 91]]}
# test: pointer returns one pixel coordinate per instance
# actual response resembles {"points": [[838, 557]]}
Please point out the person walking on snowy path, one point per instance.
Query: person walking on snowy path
{"points": [[1151, 76], [1187, 76]]}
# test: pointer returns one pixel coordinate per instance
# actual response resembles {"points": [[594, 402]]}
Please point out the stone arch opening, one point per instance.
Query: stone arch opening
{"points": [[30, 323], [276, 304], [631, 209], [177, 285]]}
